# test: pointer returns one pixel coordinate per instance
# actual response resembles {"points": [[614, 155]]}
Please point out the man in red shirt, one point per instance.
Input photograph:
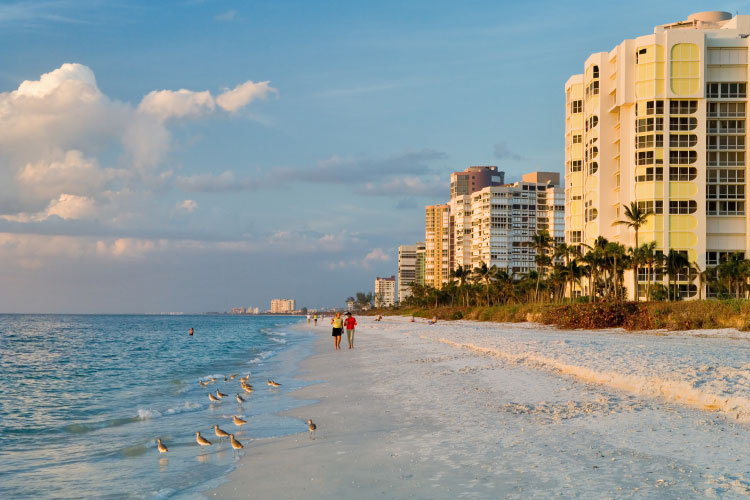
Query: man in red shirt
{"points": [[349, 324]]}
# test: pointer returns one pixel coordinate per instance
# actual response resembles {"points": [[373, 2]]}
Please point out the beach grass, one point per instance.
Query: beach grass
{"points": [[687, 315]]}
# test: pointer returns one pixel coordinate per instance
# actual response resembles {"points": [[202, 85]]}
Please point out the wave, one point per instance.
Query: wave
{"points": [[260, 357], [95, 426], [677, 391]]}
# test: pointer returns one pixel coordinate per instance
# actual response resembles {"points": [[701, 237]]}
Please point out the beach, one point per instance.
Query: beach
{"points": [[476, 410]]}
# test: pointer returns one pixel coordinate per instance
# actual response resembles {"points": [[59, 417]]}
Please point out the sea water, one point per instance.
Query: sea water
{"points": [[83, 399]]}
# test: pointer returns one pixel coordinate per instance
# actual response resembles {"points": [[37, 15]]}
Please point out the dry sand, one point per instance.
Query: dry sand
{"points": [[407, 415]]}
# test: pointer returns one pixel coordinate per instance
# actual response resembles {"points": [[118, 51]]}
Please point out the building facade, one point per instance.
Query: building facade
{"points": [[408, 268], [385, 292], [282, 306], [660, 120], [438, 235]]}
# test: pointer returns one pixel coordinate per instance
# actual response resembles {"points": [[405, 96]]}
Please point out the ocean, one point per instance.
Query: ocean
{"points": [[84, 398]]}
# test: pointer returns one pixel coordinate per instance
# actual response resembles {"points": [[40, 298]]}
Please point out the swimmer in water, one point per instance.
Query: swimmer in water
{"points": [[191, 331]]}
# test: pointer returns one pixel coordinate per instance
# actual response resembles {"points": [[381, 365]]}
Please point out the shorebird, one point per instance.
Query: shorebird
{"points": [[161, 447], [212, 379], [273, 384], [247, 388], [231, 377], [235, 444], [201, 440], [212, 397], [311, 427], [202, 383], [220, 394], [239, 398], [225, 378], [220, 432], [238, 421]]}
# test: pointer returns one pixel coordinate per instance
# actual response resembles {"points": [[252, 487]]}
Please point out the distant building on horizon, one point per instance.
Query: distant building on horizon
{"points": [[385, 292], [282, 306], [408, 262]]}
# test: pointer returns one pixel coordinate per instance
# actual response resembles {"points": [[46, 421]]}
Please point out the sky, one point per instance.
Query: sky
{"points": [[193, 156]]}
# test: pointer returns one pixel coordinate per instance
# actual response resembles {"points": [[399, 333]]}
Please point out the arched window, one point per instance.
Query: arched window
{"points": [[684, 68]]}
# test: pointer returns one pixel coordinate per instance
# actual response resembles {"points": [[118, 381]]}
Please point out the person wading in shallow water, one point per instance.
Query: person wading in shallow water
{"points": [[350, 323], [191, 332], [338, 324]]}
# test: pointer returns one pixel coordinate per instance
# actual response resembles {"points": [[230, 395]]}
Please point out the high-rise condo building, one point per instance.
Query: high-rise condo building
{"points": [[385, 292], [438, 237], [494, 223], [407, 268], [660, 121]]}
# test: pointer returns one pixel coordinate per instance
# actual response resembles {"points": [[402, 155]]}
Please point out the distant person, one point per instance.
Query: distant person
{"points": [[338, 324], [411, 320], [433, 320], [315, 318], [350, 322], [308, 319], [191, 332]]}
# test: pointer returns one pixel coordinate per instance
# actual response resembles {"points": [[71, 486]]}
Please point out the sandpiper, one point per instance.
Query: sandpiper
{"points": [[212, 397], [161, 447], [231, 377], [239, 398], [238, 421], [220, 394], [202, 383], [310, 425], [201, 440], [273, 384], [235, 444], [220, 432]]}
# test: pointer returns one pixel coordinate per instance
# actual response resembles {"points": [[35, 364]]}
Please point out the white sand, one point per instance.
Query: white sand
{"points": [[477, 410]]}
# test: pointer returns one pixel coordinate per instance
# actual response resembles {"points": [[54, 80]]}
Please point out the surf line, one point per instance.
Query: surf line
{"points": [[671, 390]]}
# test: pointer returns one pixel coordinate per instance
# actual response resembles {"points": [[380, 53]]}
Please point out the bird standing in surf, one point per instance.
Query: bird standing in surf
{"points": [[238, 421], [201, 440], [212, 397], [160, 446], [220, 433], [311, 427], [239, 398], [235, 444]]}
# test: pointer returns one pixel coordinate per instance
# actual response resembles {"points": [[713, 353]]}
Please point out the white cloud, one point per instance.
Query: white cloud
{"points": [[181, 103], [70, 206], [376, 255], [244, 94], [187, 206]]}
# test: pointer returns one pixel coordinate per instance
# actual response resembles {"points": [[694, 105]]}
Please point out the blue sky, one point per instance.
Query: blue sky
{"points": [[311, 138]]}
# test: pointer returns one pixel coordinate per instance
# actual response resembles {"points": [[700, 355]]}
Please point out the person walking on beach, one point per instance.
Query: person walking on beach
{"points": [[338, 324], [308, 319], [350, 323], [315, 318]]}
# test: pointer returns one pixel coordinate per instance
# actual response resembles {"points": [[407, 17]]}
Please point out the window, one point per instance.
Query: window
{"points": [[725, 192], [725, 208], [649, 124], [644, 158], [649, 141], [596, 71], [576, 106], [592, 122], [724, 142], [684, 68], [682, 107], [593, 167], [682, 140], [591, 153], [655, 107], [652, 174], [576, 236], [725, 158], [682, 173], [577, 139], [716, 257], [652, 206], [576, 165], [726, 90], [726, 126], [682, 157], [592, 89], [591, 214], [726, 109], [725, 175], [682, 207], [683, 124]]}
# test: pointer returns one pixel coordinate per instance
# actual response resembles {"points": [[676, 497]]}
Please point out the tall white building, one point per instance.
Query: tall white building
{"points": [[407, 268], [505, 218], [660, 120], [385, 292]]}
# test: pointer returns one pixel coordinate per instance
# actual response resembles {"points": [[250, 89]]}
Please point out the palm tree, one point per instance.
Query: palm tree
{"points": [[541, 242], [701, 275], [676, 262], [635, 218], [484, 273], [651, 259], [461, 274]]}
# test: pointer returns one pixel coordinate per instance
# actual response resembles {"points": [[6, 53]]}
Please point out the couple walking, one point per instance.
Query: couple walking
{"points": [[338, 324]]}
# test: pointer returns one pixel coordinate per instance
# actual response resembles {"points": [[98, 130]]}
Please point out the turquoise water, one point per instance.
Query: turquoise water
{"points": [[85, 397]]}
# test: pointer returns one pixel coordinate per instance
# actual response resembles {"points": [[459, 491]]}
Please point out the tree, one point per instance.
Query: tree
{"points": [[650, 258], [483, 273], [542, 243], [634, 218], [702, 276], [462, 274], [676, 263]]}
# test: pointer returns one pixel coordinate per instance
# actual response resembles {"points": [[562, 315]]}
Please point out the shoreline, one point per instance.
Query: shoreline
{"points": [[421, 411]]}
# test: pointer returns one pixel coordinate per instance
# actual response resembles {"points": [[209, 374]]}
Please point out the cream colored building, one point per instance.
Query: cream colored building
{"points": [[385, 292], [660, 120], [282, 306], [408, 262]]}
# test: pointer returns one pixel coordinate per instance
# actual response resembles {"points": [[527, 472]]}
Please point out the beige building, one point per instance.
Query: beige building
{"points": [[660, 121], [282, 306], [438, 234], [385, 292]]}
